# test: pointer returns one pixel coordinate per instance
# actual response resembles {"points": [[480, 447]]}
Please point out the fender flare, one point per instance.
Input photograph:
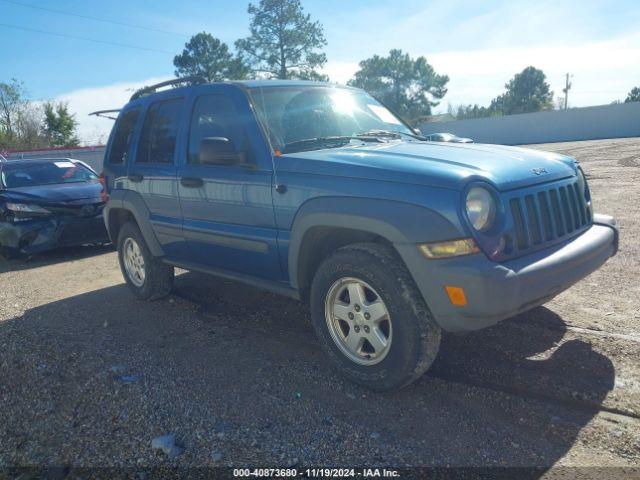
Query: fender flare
{"points": [[397, 222], [134, 203]]}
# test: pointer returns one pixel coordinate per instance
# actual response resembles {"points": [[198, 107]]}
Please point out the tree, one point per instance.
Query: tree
{"points": [[634, 95], [206, 56], [12, 102], [410, 87], [472, 111], [284, 43], [20, 119], [60, 125], [29, 127], [527, 91]]}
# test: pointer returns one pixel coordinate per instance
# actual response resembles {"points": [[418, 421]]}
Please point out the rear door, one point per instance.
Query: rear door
{"points": [[228, 218], [153, 172]]}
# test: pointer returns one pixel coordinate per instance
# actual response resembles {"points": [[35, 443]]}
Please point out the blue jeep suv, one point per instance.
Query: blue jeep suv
{"points": [[319, 192]]}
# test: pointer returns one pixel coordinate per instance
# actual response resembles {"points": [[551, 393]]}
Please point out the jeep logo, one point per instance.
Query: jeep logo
{"points": [[539, 171]]}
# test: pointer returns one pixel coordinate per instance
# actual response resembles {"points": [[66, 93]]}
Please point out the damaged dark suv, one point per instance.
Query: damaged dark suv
{"points": [[49, 203]]}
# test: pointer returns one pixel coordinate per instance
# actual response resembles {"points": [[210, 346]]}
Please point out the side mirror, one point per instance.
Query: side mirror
{"points": [[219, 151], [417, 131]]}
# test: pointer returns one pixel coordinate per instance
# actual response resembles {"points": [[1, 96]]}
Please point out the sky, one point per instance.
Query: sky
{"points": [[480, 45]]}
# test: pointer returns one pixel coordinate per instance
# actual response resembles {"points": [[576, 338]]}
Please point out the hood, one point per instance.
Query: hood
{"points": [[434, 164], [65, 193]]}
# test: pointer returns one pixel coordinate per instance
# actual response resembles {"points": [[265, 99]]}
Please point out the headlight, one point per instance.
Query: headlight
{"points": [[26, 208], [481, 208]]}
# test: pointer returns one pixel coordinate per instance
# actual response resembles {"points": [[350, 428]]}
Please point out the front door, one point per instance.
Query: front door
{"points": [[153, 173], [228, 219]]}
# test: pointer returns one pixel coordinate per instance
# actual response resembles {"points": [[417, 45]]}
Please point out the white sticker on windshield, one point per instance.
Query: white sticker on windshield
{"points": [[65, 164], [383, 114]]}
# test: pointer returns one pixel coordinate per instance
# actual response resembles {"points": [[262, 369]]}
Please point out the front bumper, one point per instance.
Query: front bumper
{"points": [[496, 291], [37, 235]]}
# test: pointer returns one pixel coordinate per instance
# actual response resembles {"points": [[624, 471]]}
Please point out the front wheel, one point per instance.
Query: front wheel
{"points": [[146, 276], [370, 318]]}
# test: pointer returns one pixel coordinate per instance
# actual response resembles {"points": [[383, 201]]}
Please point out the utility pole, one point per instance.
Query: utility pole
{"points": [[566, 89]]}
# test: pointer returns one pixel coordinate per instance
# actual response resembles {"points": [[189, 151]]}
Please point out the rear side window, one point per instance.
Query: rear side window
{"points": [[122, 137], [159, 132], [215, 116]]}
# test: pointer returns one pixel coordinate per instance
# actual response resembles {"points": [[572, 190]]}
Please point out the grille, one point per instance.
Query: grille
{"points": [[549, 215]]}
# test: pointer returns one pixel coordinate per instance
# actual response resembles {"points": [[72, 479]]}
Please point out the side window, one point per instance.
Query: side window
{"points": [[159, 132], [122, 137], [215, 116]]}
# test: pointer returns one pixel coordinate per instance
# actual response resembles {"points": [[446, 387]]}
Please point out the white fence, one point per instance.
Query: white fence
{"points": [[92, 156], [589, 123]]}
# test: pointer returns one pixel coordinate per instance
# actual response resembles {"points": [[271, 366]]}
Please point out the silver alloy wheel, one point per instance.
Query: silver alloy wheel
{"points": [[358, 321], [133, 261]]}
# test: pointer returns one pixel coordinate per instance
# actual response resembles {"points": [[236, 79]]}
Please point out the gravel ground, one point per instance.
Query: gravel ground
{"points": [[89, 376]]}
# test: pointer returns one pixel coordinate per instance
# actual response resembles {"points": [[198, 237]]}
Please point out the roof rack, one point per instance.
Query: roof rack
{"points": [[102, 113], [194, 80]]}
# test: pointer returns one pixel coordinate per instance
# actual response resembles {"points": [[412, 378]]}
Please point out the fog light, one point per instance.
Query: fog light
{"points": [[456, 296], [451, 248]]}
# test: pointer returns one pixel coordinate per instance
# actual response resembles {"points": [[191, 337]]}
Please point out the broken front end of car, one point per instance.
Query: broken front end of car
{"points": [[29, 228]]}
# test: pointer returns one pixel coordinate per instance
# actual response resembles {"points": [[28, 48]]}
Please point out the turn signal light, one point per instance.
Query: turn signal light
{"points": [[456, 296]]}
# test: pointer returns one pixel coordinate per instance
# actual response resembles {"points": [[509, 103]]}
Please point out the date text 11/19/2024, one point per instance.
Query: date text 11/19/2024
{"points": [[316, 472]]}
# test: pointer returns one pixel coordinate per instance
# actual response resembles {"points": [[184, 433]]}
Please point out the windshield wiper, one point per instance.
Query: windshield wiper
{"points": [[326, 142], [388, 133]]}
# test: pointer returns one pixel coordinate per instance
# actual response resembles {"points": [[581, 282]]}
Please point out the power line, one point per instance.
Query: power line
{"points": [[86, 39], [96, 19]]}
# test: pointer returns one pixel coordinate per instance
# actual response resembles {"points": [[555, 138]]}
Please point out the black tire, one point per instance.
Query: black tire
{"points": [[158, 279], [416, 336]]}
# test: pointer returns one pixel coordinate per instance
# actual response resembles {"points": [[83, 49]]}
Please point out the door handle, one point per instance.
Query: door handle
{"points": [[191, 182], [135, 177]]}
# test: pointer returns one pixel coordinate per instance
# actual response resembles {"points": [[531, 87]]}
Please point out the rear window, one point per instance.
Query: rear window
{"points": [[122, 137], [159, 132], [30, 174]]}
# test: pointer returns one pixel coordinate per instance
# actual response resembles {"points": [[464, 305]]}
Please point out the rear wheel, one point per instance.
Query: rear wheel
{"points": [[370, 318], [146, 276]]}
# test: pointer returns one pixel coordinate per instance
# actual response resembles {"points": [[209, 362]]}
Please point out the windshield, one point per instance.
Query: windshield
{"points": [[293, 114], [29, 174]]}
